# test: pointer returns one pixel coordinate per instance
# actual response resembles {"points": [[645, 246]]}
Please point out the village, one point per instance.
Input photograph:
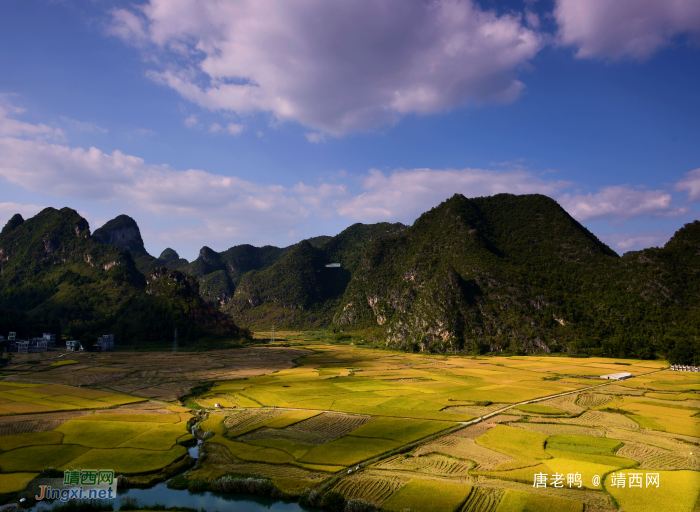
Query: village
{"points": [[48, 341]]}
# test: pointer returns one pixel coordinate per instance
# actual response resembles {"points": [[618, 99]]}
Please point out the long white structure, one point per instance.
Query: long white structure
{"points": [[617, 376]]}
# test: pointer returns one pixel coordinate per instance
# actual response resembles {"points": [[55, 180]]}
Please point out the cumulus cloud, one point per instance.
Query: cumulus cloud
{"points": [[191, 121], [335, 67], [621, 202], [624, 28], [690, 184], [405, 194]]}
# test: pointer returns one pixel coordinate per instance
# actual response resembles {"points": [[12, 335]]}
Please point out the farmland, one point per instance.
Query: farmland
{"points": [[429, 432]]}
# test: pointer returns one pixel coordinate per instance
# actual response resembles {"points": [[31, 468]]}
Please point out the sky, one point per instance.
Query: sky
{"points": [[224, 122]]}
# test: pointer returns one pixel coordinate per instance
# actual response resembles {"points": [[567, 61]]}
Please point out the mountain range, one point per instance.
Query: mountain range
{"points": [[507, 274]]}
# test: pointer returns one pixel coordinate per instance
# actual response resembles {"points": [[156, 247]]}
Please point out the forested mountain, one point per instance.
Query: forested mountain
{"points": [[55, 276], [512, 274]]}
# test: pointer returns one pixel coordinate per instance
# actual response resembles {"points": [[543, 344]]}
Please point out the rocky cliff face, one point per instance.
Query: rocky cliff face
{"points": [[122, 232]]}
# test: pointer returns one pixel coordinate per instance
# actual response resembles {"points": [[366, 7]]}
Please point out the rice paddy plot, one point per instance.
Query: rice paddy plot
{"points": [[403, 430], [240, 422], [670, 461], [466, 449], [539, 409], [348, 450], [583, 444], [101, 434], [428, 496], [158, 437], [608, 419], [517, 501], [374, 489], [556, 429], [38, 458], [326, 426], [432, 464], [126, 461], [15, 482], [517, 443], [12, 442], [678, 491], [640, 452], [482, 499], [587, 400]]}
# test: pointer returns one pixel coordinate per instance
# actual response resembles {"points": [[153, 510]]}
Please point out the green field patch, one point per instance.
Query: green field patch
{"points": [[518, 501], [29, 407], [101, 434], [122, 399], [38, 458], [516, 442], [319, 467], [296, 450], [83, 403], [127, 461], [159, 437], [428, 496], [15, 441], [673, 396], [64, 362], [583, 444], [678, 491], [348, 450], [614, 461], [21, 394], [400, 429], [269, 455], [649, 423], [539, 409], [132, 418], [15, 482]]}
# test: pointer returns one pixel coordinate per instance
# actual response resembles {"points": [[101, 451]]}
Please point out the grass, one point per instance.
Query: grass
{"points": [[127, 461], [539, 409], [13, 442], [678, 491], [38, 458], [517, 501], [15, 482], [428, 496], [348, 450]]}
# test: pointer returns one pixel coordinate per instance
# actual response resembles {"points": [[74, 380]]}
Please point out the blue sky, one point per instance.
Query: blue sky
{"points": [[225, 122]]}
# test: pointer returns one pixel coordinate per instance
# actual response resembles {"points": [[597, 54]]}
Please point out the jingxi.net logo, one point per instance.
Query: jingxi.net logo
{"points": [[87, 484]]}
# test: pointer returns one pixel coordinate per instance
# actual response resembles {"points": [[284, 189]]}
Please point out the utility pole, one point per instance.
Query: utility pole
{"points": [[175, 342], [272, 337]]}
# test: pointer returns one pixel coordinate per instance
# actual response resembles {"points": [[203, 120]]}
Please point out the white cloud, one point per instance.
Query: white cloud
{"points": [[621, 202], [690, 184], [235, 129], [215, 127], [191, 121], [204, 204], [624, 28], [10, 127], [315, 137], [335, 67], [405, 194], [623, 242], [82, 126]]}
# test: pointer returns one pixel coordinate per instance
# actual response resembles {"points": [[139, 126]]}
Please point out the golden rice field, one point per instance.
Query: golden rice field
{"points": [[419, 431]]}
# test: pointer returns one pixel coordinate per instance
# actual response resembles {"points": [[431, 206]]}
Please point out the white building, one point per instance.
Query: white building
{"points": [[12, 336], [50, 340], [105, 342], [617, 376], [73, 345], [22, 347]]}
